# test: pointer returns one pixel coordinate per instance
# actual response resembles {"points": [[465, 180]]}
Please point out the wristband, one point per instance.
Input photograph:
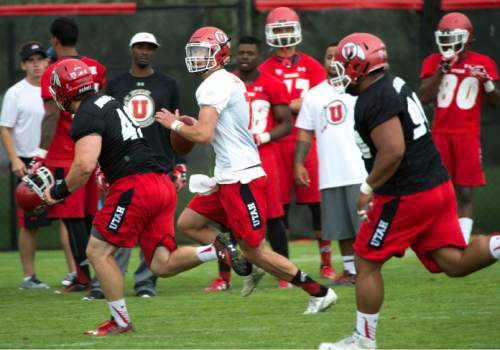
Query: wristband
{"points": [[489, 86], [41, 153], [60, 191], [176, 125], [264, 137], [366, 189]]}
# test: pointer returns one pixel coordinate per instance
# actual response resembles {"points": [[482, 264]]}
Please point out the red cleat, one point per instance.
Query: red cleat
{"points": [[327, 272], [218, 285], [345, 279], [110, 327]]}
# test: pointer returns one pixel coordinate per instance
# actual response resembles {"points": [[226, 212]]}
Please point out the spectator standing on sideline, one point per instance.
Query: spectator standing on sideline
{"points": [[328, 113], [20, 124], [456, 80], [144, 91], [237, 199], [271, 120], [56, 151], [299, 72]]}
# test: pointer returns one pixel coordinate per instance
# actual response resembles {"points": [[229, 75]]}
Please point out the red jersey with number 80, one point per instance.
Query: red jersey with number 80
{"points": [[459, 100], [62, 148], [299, 73]]}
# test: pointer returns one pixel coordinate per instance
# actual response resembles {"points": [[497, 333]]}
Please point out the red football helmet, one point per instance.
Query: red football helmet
{"points": [[70, 78], [283, 28], [207, 48], [29, 193], [359, 54], [453, 33]]}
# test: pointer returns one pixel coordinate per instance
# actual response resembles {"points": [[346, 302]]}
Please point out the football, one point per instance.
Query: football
{"points": [[181, 145]]}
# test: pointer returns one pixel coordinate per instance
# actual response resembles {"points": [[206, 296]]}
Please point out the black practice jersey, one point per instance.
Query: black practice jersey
{"points": [[421, 167], [124, 150], [142, 98]]}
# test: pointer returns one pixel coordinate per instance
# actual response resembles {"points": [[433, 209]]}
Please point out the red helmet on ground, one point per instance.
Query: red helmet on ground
{"points": [[453, 33], [69, 79], [360, 54], [29, 193], [207, 48], [283, 28]]}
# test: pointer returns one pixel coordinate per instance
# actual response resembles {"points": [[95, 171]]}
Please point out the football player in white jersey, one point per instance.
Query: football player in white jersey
{"points": [[236, 199]]}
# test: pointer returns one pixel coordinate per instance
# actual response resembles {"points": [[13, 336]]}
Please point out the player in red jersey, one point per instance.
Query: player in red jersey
{"points": [[271, 120], [456, 79], [57, 151], [407, 200], [299, 72]]}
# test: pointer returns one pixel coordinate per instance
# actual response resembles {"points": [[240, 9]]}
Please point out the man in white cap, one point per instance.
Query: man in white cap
{"points": [[144, 91]]}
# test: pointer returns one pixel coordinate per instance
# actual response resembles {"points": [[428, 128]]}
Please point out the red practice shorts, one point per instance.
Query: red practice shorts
{"points": [[424, 221], [79, 204], [274, 205], [284, 151], [461, 154], [140, 208], [241, 207]]}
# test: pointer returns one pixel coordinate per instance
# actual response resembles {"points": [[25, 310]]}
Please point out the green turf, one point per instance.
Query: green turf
{"points": [[420, 311]]}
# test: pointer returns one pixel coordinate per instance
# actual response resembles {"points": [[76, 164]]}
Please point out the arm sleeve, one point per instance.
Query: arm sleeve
{"points": [[386, 105], [429, 66], [85, 124], [214, 96], [9, 112], [305, 119]]}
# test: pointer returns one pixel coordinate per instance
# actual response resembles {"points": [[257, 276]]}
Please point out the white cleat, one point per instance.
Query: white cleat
{"points": [[322, 303], [354, 342], [251, 281]]}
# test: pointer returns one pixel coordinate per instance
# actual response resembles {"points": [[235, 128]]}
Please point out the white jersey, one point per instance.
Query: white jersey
{"points": [[22, 110], [236, 155], [331, 116]]}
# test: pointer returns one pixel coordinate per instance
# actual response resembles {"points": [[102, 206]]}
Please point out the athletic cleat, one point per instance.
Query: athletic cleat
{"points": [[345, 279], [250, 282], [93, 295], [284, 284], [227, 251], [33, 283], [70, 278], [319, 304], [145, 293], [327, 272], [110, 327], [218, 285], [73, 287], [354, 342]]}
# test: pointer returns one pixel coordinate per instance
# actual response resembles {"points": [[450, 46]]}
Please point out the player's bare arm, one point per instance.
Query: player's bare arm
{"points": [[389, 140], [201, 132], [87, 150], [296, 104], [49, 123], [283, 118], [493, 97], [17, 165], [429, 87], [302, 145]]}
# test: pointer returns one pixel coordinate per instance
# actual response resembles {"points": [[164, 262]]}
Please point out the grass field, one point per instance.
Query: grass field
{"points": [[420, 310]]}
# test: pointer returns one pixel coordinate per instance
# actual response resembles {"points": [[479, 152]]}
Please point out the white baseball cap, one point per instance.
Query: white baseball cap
{"points": [[144, 37]]}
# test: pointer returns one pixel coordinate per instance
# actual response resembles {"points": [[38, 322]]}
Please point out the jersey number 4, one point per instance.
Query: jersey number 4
{"points": [[130, 129]]}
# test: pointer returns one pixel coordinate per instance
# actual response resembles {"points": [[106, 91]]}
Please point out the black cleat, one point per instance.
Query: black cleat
{"points": [[94, 295], [227, 251]]}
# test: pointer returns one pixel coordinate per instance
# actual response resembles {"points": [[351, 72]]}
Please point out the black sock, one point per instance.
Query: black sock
{"points": [[310, 286]]}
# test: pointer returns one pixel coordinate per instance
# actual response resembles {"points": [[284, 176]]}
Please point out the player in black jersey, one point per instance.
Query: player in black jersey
{"points": [[407, 199], [141, 201], [144, 91]]}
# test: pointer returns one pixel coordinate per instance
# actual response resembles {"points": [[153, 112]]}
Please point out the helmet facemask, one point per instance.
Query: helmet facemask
{"points": [[337, 77], [278, 36], [451, 42], [200, 57]]}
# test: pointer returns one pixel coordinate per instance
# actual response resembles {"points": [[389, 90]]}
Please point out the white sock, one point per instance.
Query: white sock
{"points": [[466, 226], [366, 324], [495, 246], [349, 264], [119, 312], [206, 253]]}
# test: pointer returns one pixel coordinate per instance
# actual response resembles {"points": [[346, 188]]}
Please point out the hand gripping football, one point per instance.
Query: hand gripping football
{"points": [[29, 193], [181, 145]]}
